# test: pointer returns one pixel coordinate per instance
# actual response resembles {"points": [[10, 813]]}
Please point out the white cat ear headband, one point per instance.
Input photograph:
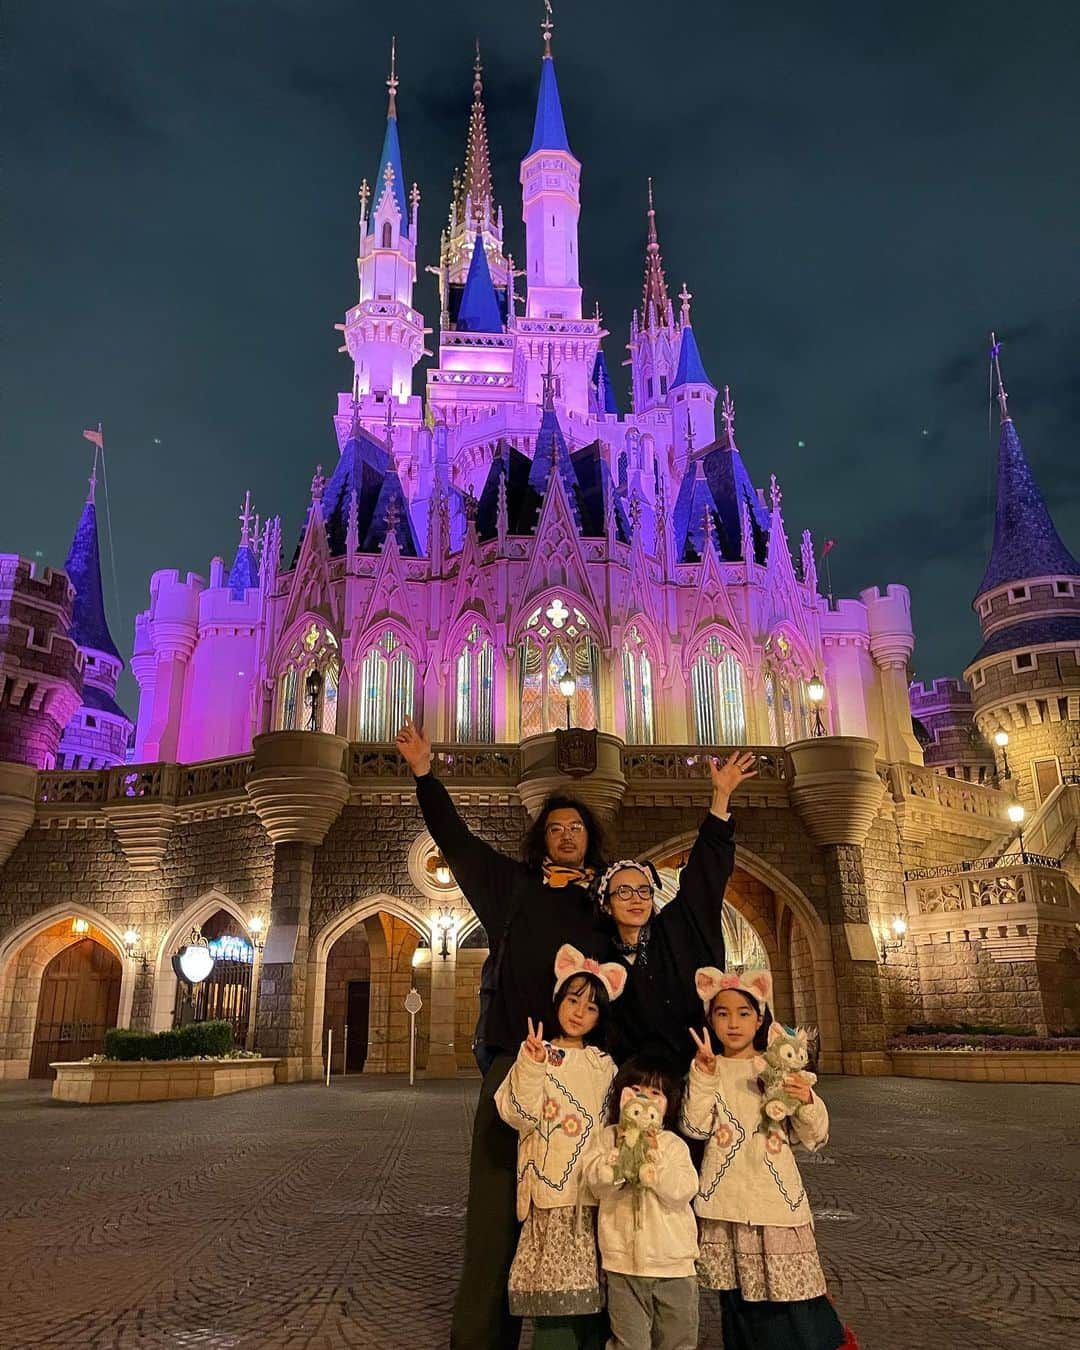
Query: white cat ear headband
{"points": [[569, 962], [621, 865], [757, 983]]}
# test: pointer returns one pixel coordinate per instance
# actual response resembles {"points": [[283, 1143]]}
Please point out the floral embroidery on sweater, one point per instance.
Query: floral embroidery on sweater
{"points": [[556, 1118], [729, 1135]]}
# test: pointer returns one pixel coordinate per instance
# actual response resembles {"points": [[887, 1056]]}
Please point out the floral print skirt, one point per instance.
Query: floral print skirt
{"points": [[764, 1264], [555, 1271]]}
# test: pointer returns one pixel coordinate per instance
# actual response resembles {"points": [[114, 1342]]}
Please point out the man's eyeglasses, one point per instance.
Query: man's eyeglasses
{"points": [[558, 829], [629, 892]]}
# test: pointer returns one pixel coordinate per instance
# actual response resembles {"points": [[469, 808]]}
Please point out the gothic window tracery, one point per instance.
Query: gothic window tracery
{"points": [[474, 712], [557, 640], [316, 648], [786, 701], [637, 673], [719, 698], [387, 688]]}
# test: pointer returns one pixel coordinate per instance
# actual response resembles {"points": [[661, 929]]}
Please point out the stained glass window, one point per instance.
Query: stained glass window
{"points": [[474, 696], [387, 689], [719, 705], [557, 640], [637, 689], [316, 648]]}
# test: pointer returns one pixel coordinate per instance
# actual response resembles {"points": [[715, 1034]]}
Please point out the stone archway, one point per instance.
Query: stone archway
{"points": [[194, 916], [24, 955], [804, 985], [393, 934]]}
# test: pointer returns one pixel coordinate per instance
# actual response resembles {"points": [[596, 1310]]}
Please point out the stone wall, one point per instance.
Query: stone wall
{"points": [[349, 959]]}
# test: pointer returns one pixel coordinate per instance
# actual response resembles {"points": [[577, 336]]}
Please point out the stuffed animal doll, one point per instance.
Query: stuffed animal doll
{"points": [[634, 1157], [786, 1054]]}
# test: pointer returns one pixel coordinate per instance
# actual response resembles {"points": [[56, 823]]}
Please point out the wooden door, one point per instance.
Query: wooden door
{"points": [[357, 1018], [79, 1001]]}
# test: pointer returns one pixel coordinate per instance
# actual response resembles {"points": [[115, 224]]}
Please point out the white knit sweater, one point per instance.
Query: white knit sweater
{"points": [[654, 1232], [747, 1177], [556, 1109]]}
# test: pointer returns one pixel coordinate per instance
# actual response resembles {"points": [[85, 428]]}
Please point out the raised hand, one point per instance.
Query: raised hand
{"points": [[704, 1059], [726, 777], [414, 747], [533, 1045]]}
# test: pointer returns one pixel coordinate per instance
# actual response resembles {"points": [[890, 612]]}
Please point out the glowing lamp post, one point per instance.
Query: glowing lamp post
{"points": [[1016, 816], [1001, 740], [568, 688], [899, 929], [312, 689], [815, 692]]}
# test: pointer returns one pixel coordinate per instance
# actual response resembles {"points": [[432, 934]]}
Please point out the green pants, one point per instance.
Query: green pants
{"points": [[482, 1318], [652, 1313], [584, 1332]]}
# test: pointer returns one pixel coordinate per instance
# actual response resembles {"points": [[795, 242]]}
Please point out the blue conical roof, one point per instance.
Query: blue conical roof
{"points": [[551, 445], [549, 129], [691, 369], [391, 154], [479, 309], [1026, 544], [244, 573], [603, 394], [89, 627]]}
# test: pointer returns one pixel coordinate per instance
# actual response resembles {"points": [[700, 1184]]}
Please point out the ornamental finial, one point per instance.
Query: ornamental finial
{"points": [[245, 522], [727, 416], [546, 28], [478, 70], [775, 495], [318, 483], [392, 81], [1002, 396], [548, 381], [684, 312]]}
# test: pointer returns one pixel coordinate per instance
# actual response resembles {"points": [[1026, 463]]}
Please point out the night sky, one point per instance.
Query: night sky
{"points": [[856, 194]]}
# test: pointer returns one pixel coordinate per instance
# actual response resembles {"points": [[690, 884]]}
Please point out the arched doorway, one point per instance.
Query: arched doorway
{"points": [[77, 1004], [225, 994]]}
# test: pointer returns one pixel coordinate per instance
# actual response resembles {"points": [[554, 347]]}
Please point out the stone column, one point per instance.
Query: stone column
{"points": [[442, 1058], [836, 793], [891, 643], [298, 787]]}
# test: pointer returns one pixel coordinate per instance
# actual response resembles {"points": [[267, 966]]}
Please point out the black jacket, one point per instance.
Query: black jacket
{"points": [[509, 898]]}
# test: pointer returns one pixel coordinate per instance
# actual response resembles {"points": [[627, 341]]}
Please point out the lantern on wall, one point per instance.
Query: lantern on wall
{"points": [[194, 961]]}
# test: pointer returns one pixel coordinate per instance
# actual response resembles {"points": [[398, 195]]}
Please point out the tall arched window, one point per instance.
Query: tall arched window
{"points": [[315, 649], [637, 676], [387, 235], [785, 694], [557, 641], [474, 712], [387, 689], [719, 703]]}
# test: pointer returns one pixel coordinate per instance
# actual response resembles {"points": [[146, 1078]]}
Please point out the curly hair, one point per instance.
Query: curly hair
{"points": [[534, 846]]}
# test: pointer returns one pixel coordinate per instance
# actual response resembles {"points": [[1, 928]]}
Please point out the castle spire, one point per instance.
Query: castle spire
{"points": [[476, 185], [1026, 543], [549, 127], [89, 626], [655, 304], [390, 177]]}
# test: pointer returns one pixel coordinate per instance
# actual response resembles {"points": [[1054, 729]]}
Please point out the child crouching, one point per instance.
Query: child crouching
{"points": [[643, 1176]]}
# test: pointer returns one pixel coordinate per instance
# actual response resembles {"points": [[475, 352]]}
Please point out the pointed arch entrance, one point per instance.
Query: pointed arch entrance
{"points": [[77, 1004]]}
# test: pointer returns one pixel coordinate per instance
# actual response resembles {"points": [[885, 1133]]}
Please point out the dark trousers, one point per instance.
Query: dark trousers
{"points": [[482, 1318]]}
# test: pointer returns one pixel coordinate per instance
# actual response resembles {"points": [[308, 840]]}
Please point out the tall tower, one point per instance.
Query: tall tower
{"points": [[1025, 679], [654, 343], [98, 734], [551, 204], [384, 334]]}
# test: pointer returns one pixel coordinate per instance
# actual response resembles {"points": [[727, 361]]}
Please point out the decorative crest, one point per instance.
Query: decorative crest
{"points": [[392, 81], [1002, 396], [245, 522], [546, 28]]}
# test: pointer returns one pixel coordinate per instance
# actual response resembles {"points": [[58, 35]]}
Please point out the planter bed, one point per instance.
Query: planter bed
{"points": [[989, 1065], [92, 1082]]}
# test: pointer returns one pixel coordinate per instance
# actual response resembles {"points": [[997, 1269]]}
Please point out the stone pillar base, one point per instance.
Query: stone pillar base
{"points": [[18, 791], [298, 784], [290, 1070]]}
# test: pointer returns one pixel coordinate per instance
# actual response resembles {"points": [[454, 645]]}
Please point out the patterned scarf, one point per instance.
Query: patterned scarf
{"points": [[557, 876], [638, 949]]}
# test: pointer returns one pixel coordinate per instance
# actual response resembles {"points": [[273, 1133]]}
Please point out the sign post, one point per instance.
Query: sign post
{"points": [[329, 1052], [413, 1004], [345, 1051]]}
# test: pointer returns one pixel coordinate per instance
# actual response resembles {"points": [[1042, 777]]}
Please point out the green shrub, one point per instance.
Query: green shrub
{"points": [[210, 1039]]}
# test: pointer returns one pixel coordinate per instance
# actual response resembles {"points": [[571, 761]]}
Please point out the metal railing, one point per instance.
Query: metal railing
{"points": [[1019, 859]]}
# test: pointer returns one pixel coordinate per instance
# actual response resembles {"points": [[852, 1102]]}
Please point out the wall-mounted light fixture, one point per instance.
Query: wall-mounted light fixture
{"points": [[133, 949], [1016, 814], [257, 932], [445, 926], [815, 692], [194, 962], [1001, 740], [441, 870], [899, 929], [568, 688], [80, 927]]}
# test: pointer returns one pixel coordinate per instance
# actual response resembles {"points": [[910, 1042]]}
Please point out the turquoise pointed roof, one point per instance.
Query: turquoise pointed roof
{"points": [[89, 627], [391, 154], [691, 368], [1026, 544], [479, 309], [549, 129]]}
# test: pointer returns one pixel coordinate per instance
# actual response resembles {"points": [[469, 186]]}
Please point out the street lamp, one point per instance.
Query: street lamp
{"points": [[899, 928], [1016, 816], [815, 692], [1001, 740], [568, 688], [312, 689]]}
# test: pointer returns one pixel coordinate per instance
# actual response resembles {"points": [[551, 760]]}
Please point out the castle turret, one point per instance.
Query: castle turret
{"points": [[654, 342], [693, 395], [1025, 679], [98, 734]]}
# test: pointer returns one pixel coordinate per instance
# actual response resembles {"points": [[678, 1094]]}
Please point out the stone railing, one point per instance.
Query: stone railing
{"points": [[907, 781], [1034, 881], [454, 763], [684, 763], [143, 782]]}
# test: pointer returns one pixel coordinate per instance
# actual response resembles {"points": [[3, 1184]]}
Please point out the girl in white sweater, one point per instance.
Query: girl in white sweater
{"points": [[553, 1096], [756, 1229]]}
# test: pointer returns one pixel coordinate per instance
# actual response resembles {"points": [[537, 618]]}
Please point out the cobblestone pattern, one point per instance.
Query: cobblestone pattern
{"points": [[306, 1218]]}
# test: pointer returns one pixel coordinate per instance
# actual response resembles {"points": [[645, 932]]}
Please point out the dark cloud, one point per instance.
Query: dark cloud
{"points": [[856, 194]]}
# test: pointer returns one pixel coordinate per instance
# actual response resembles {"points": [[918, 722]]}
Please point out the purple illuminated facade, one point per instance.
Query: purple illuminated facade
{"points": [[478, 538]]}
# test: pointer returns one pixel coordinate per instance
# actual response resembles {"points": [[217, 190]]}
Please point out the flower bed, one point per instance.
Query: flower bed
{"points": [[91, 1082], [988, 1065], [967, 1041]]}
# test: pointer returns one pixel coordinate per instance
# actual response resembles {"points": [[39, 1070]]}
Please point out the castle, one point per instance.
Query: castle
{"points": [[503, 556]]}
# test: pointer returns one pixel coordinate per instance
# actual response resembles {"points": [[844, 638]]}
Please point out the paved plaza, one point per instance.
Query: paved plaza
{"points": [[313, 1218]]}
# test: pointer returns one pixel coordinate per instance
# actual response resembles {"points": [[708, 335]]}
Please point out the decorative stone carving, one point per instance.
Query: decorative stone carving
{"points": [[836, 788], [298, 785], [602, 790]]}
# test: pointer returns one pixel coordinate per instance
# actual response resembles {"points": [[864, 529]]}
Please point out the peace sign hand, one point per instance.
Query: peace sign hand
{"points": [[704, 1059], [533, 1045]]}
